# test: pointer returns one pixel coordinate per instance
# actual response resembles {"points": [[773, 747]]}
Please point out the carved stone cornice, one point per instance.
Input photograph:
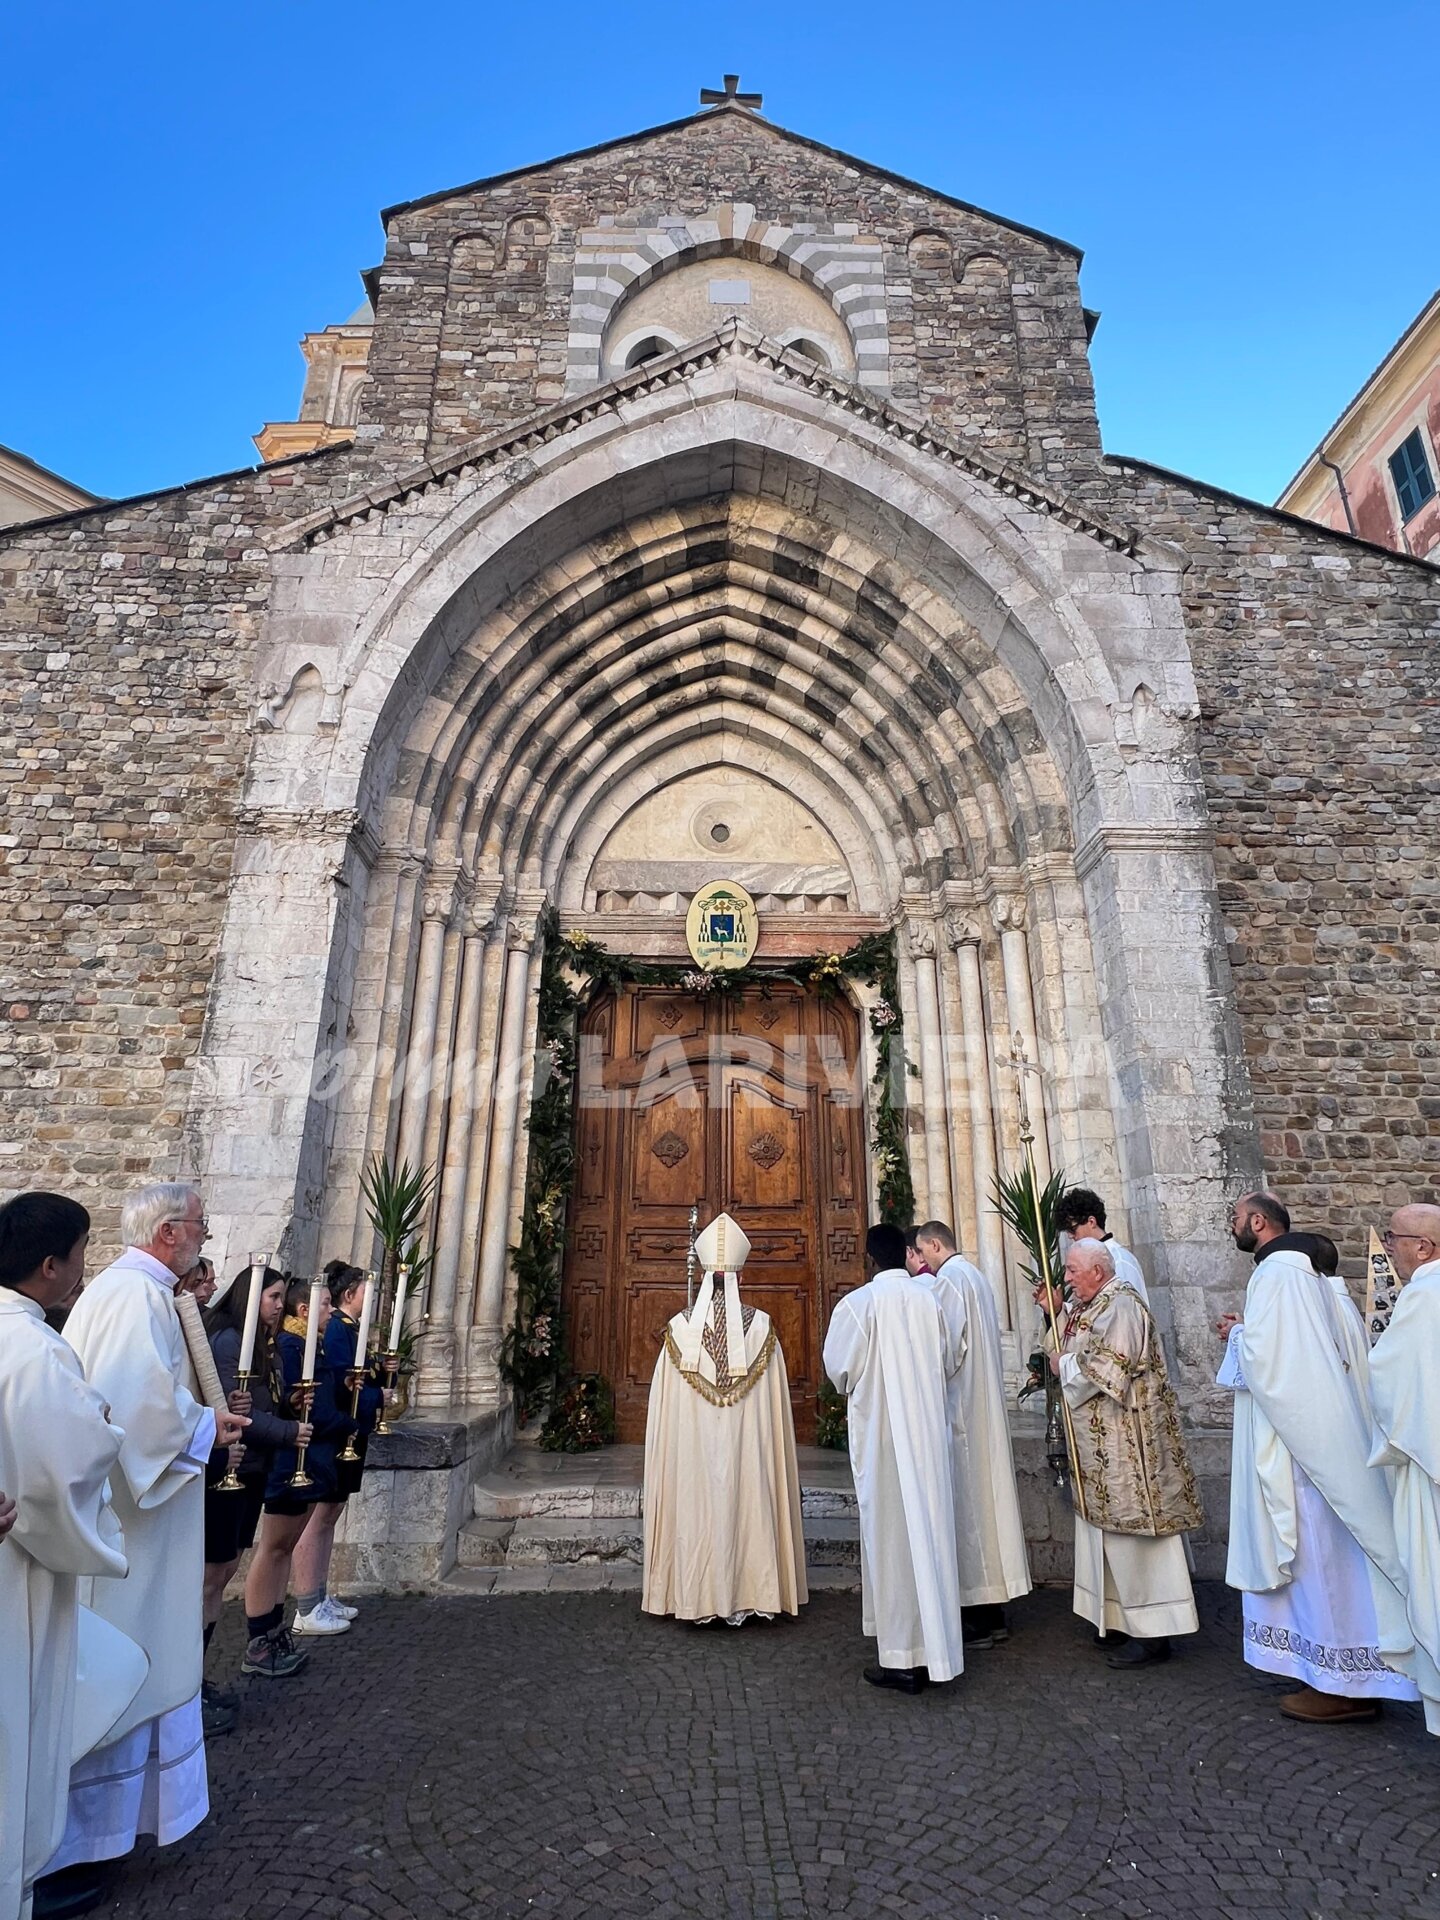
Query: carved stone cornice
{"points": [[1165, 837], [735, 340]]}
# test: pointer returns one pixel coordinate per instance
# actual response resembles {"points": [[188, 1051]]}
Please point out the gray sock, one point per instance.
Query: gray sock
{"points": [[307, 1602]]}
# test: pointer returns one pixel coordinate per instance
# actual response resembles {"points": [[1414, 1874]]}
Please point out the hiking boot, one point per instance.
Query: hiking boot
{"points": [[1323, 1709], [274, 1656]]}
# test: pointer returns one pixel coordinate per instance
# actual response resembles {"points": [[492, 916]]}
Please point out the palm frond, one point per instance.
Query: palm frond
{"points": [[396, 1199], [1015, 1201]]}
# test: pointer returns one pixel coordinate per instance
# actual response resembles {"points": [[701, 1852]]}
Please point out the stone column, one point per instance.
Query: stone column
{"points": [[492, 994], [438, 1379], [1009, 913], [964, 937], [418, 1066], [902, 1086], [929, 1057], [495, 1221]]}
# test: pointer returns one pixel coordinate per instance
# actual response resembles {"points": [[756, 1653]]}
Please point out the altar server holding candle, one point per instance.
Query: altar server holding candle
{"points": [[358, 1394]]}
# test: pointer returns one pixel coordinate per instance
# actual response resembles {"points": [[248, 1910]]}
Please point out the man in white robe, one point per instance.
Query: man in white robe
{"points": [[1081, 1214], [1405, 1400], [989, 1534], [150, 1776], [57, 1450], [1312, 1535], [1135, 1494], [724, 1537], [889, 1350]]}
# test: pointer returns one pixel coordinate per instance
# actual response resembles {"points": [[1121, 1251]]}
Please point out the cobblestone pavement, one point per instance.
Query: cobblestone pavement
{"points": [[559, 1754]]}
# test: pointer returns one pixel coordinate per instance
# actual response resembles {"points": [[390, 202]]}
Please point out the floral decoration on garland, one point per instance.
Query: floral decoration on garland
{"points": [[532, 1356]]}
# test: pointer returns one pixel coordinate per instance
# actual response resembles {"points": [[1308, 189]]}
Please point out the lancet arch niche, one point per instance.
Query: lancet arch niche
{"points": [[580, 668]]}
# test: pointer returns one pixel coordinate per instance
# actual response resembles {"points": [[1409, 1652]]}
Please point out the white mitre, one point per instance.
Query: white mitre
{"points": [[722, 1247], [721, 1250]]}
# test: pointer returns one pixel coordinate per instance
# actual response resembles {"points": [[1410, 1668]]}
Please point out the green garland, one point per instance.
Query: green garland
{"points": [[532, 1355]]}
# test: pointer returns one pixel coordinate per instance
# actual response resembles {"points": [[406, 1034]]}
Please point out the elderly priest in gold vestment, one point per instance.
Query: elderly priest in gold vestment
{"points": [[723, 1535], [1135, 1495]]}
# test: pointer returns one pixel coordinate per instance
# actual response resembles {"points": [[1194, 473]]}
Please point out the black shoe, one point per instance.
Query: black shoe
{"points": [[213, 1696], [902, 1679], [73, 1890], [1107, 1642], [217, 1720], [1141, 1653]]}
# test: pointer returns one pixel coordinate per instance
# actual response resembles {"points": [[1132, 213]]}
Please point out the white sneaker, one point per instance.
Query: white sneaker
{"points": [[320, 1620], [342, 1607]]}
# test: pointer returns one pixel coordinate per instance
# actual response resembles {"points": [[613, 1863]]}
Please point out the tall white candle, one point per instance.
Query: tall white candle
{"points": [[367, 1307], [312, 1328], [258, 1263], [397, 1319]]}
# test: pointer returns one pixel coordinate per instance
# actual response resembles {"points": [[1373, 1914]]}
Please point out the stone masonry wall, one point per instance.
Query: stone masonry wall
{"points": [[1318, 664], [986, 328], [127, 651]]}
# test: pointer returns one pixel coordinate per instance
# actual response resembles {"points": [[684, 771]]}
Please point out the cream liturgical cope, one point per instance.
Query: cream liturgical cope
{"points": [[989, 1535], [723, 1530], [1404, 1370], [1135, 1482], [152, 1770], [1312, 1534], [890, 1350], [56, 1451]]}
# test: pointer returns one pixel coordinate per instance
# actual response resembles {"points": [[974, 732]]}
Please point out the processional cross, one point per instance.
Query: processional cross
{"points": [[713, 97]]}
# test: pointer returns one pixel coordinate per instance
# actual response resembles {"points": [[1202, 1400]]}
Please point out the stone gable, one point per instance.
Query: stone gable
{"points": [[477, 296]]}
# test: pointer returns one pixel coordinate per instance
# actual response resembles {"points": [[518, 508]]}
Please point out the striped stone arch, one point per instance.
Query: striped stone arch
{"points": [[613, 264], [735, 557]]}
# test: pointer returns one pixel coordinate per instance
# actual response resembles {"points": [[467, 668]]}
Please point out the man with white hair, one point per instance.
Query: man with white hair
{"points": [[1135, 1490], [1404, 1367], [150, 1776]]}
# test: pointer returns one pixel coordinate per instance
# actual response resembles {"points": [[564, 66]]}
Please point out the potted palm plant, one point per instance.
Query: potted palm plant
{"points": [[395, 1201]]}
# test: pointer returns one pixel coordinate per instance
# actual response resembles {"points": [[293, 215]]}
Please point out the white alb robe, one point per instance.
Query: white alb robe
{"points": [[1127, 1267], [723, 1530], [888, 1348], [989, 1534], [150, 1778], [1312, 1539], [56, 1451], [1405, 1400]]}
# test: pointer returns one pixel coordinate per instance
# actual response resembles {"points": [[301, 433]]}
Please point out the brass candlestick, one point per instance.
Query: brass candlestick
{"points": [[391, 1363], [232, 1483], [299, 1479], [357, 1379]]}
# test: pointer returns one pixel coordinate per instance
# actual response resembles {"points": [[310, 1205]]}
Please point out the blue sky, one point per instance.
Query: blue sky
{"points": [[191, 187]]}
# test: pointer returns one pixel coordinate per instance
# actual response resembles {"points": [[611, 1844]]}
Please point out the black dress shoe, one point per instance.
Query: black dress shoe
{"points": [[1107, 1642], [902, 1679], [73, 1890], [1141, 1653]]}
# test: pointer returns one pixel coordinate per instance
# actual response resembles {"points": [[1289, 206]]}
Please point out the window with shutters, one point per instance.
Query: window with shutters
{"points": [[1410, 470]]}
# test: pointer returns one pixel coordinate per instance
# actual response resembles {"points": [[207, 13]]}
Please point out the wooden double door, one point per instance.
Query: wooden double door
{"points": [[751, 1106]]}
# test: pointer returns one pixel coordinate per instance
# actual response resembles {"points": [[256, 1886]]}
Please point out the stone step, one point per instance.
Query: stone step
{"points": [[502, 1498], [555, 1540]]}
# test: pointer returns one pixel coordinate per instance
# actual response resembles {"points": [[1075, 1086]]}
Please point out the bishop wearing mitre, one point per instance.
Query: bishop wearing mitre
{"points": [[723, 1534]]}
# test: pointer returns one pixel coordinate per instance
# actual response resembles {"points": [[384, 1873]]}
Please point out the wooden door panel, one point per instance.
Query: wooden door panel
{"points": [[765, 1148], [665, 1155]]}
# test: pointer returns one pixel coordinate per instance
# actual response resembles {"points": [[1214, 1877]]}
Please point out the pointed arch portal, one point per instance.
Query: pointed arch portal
{"points": [[727, 573]]}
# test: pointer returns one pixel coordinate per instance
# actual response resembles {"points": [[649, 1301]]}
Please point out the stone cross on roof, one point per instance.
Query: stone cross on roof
{"points": [[712, 97]]}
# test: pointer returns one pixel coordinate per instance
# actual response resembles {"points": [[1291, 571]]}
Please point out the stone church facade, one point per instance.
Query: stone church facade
{"points": [[712, 479]]}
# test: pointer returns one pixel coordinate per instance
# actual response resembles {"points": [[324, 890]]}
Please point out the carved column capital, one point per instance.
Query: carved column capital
{"points": [[962, 930], [921, 936], [1008, 912]]}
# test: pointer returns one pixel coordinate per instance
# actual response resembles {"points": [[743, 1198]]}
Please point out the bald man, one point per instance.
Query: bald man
{"points": [[1404, 1368]]}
